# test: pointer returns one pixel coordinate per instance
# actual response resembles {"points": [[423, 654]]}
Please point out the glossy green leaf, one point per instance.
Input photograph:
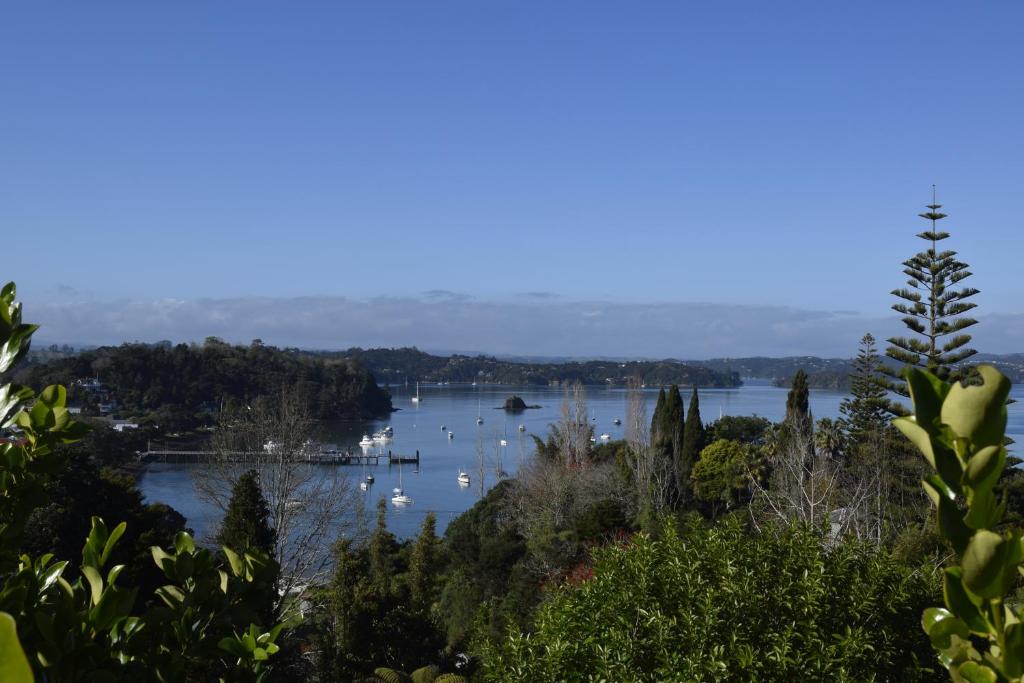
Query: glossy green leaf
{"points": [[927, 392], [947, 465], [183, 543], [984, 511], [985, 466], [92, 575], [952, 526], [1013, 653], [111, 541], [940, 624], [960, 603], [14, 666], [164, 560], [237, 565], [917, 435], [171, 595], [11, 397], [978, 412], [975, 672], [983, 564], [54, 396]]}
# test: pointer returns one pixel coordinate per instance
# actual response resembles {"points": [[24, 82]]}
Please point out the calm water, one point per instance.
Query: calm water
{"points": [[434, 487]]}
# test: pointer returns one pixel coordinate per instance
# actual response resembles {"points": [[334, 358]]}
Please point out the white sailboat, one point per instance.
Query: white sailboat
{"points": [[479, 417], [416, 398], [364, 485], [399, 497]]}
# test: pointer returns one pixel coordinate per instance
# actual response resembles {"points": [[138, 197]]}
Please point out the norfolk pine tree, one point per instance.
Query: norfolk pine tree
{"points": [[930, 306], [865, 412]]}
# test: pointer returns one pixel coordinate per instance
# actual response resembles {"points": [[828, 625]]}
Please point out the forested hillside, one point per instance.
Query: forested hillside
{"points": [[183, 380], [397, 365]]}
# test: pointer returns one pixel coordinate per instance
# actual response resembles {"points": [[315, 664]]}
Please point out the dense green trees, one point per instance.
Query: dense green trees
{"points": [[722, 604], [178, 385], [394, 366], [488, 584], [81, 489], [721, 479], [380, 604], [743, 428], [932, 308]]}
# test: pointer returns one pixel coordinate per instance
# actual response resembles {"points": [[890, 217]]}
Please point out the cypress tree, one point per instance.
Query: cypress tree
{"points": [[798, 399], [382, 543], [424, 565], [673, 428], [658, 418], [865, 411], [672, 444], [692, 445], [931, 307], [798, 409], [246, 526], [246, 523]]}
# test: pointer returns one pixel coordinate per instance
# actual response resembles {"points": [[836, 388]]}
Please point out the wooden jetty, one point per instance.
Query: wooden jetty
{"points": [[336, 458], [404, 459]]}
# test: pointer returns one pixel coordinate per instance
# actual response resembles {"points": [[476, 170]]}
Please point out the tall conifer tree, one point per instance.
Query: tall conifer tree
{"points": [[865, 411], [382, 543], [424, 566], [658, 419], [932, 309], [693, 443], [798, 407], [246, 522], [246, 525], [672, 443]]}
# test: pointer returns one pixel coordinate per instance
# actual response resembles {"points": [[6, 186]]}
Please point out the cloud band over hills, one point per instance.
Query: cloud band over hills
{"points": [[534, 325]]}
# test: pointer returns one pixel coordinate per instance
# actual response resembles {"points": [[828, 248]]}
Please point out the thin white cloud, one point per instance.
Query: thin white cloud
{"points": [[679, 330]]}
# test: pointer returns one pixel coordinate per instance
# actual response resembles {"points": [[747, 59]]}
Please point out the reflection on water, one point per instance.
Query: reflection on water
{"points": [[434, 486]]}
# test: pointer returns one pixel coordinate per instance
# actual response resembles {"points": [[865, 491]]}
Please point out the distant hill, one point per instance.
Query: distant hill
{"points": [[186, 383], [396, 365], [834, 373], [822, 373], [392, 366]]}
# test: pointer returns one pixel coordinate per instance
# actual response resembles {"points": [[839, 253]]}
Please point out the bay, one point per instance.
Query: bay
{"points": [[433, 485]]}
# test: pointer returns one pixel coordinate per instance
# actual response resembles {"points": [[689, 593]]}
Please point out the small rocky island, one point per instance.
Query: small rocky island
{"points": [[515, 404]]}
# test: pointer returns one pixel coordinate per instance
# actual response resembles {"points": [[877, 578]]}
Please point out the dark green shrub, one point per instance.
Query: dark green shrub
{"points": [[720, 604]]}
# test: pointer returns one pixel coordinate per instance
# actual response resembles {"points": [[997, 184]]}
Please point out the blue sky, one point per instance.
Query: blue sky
{"points": [[532, 158]]}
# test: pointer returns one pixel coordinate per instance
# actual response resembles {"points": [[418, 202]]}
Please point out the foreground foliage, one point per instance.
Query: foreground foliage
{"points": [[961, 429], [54, 626], [721, 604]]}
